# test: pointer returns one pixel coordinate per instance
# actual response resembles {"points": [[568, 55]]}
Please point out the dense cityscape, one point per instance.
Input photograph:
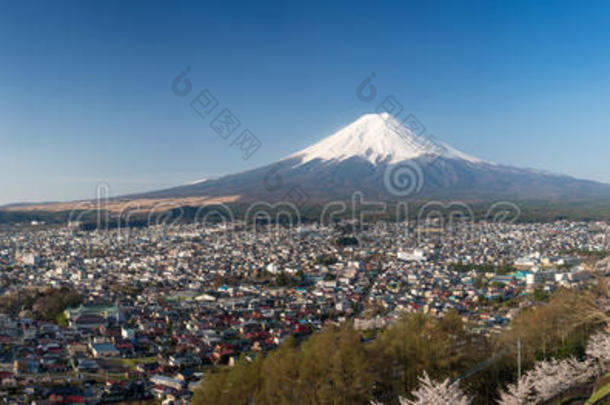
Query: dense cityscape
{"points": [[146, 313]]}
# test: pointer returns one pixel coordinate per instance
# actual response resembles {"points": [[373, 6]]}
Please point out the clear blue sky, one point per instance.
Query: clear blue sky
{"points": [[85, 90]]}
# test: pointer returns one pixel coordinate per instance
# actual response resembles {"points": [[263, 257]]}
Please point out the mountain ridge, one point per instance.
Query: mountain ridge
{"points": [[364, 155], [380, 157]]}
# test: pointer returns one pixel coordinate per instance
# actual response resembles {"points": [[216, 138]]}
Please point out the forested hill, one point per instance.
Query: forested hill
{"points": [[341, 365]]}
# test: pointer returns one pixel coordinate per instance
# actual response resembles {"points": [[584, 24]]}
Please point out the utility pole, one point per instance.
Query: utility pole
{"points": [[518, 359]]}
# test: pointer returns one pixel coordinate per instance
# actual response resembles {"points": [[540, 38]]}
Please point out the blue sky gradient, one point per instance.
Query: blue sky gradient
{"points": [[85, 87]]}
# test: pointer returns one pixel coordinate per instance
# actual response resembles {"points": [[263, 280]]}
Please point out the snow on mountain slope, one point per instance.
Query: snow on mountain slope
{"points": [[378, 138]]}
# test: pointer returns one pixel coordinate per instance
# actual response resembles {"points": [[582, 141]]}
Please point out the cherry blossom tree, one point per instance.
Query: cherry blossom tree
{"points": [[599, 347], [432, 392], [550, 378], [522, 392]]}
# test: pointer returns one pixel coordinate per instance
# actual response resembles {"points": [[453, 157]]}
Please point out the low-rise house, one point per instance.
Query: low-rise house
{"points": [[101, 350]]}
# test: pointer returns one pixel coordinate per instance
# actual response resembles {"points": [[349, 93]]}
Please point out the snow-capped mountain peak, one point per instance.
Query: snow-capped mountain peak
{"points": [[391, 163], [378, 138]]}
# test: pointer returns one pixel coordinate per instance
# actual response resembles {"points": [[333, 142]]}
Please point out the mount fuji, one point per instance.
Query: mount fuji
{"points": [[382, 158]]}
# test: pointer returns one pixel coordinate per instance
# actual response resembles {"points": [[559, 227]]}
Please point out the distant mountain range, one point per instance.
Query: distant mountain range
{"points": [[382, 158]]}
